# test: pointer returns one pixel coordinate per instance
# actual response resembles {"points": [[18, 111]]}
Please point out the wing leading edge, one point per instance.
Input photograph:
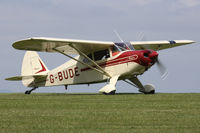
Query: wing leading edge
{"points": [[66, 45]]}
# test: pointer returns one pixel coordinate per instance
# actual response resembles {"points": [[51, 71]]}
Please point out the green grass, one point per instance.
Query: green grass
{"points": [[89, 113]]}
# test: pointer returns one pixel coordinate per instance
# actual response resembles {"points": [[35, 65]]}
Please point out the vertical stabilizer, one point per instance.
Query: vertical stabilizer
{"points": [[32, 65]]}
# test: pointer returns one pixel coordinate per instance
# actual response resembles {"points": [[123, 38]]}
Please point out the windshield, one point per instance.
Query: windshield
{"points": [[124, 46]]}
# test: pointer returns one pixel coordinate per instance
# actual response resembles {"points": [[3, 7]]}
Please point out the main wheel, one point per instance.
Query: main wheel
{"points": [[149, 89], [110, 93]]}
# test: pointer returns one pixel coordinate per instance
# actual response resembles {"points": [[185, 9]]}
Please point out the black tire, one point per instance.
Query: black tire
{"points": [[111, 93], [27, 92], [151, 92]]}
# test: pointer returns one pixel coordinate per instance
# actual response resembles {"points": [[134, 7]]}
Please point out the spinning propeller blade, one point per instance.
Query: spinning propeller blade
{"points": [[162, 69]]}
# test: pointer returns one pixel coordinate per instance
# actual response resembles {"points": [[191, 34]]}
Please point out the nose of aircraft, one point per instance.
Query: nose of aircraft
{"points": [[149, 57], [153, 55]]}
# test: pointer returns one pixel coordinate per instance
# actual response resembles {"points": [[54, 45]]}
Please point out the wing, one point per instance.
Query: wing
{"points": [[86, 46], [159, 45], [49, 44]]}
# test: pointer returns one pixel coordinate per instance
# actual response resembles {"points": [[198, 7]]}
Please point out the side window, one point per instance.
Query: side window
{"points": [[101, 55], [85, 60], [90, 56], [115, 50]]}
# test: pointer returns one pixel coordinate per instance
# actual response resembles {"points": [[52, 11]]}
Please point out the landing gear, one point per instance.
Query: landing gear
{"points": [[147, 89], [151, 92], [66, 87], [110, 93], [29, 91], [110, 88]]}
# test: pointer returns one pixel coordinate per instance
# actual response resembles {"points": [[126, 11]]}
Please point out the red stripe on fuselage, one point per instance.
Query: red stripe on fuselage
{"points": [[129, 56]]}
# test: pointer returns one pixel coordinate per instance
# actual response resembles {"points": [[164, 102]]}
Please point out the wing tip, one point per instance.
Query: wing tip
{"points": [[185, 41], [17, 44], [17, 78]]}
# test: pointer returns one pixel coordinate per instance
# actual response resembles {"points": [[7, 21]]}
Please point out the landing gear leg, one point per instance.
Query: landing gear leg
{"points": [[147, 89], [110, 88], [66, 87], [29, 91]]}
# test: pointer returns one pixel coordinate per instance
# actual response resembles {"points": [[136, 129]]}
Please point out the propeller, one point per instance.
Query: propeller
{"points": [[162, 69], [141, 37]]}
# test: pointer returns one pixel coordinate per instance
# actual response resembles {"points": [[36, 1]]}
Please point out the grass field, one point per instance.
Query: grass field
{"points": [[90, 113]]}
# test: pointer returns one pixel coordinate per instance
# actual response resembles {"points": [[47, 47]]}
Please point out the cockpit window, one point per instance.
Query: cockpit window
{"points": [[101, 55], [125, 46], [130, 46], [115, 50], [85, 60], [90, 56]]}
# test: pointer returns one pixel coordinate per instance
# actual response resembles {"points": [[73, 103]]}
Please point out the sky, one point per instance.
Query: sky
{"points": [[96, 20]]}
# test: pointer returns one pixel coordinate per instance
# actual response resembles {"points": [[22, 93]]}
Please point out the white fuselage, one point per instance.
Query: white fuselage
{"points": [[73, 72]]}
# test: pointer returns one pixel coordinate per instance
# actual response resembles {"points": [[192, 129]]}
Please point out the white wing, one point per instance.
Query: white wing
{"points": [[159, 45], [86, 46], [49, 44]]}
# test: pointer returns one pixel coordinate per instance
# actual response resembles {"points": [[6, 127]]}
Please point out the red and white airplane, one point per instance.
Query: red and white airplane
{"points": [[96, 61]]}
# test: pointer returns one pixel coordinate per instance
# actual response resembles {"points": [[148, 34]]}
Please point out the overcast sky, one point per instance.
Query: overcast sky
{"points": [[96, 20]]}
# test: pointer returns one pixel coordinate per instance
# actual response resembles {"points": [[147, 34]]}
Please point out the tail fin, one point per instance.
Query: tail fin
{"points": [[33, 65], [33, 70]]}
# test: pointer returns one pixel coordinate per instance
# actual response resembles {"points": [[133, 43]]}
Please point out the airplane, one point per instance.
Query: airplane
{"points": [[95, 62]]}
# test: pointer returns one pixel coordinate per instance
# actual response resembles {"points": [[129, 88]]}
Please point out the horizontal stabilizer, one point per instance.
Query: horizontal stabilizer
{"points": [[17, 78]]}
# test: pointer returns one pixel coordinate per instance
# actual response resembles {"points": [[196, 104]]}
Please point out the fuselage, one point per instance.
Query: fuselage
{"points": [[124, 63]]}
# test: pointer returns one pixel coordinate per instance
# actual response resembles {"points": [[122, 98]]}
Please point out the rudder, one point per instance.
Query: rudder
{"points": [[32, 64]]}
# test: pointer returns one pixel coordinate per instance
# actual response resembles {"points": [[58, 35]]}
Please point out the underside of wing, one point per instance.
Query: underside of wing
{"points": [[66, 45], [159, 45]]}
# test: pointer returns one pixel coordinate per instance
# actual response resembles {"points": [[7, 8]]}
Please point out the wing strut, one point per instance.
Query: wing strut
{"points": [[100, 71], [99, 67]]}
